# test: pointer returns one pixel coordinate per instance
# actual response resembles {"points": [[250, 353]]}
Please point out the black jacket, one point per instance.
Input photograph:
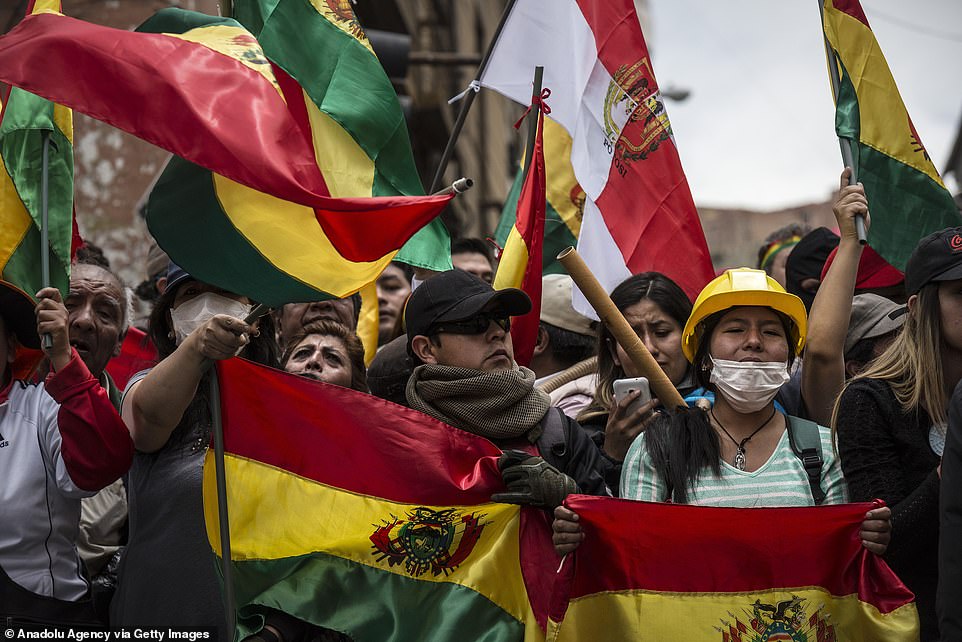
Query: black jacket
{"points": [[950, 521]]}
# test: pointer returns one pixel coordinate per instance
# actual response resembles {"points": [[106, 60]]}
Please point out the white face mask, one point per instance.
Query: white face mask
{"points": [[190, 315], [748, 386]]}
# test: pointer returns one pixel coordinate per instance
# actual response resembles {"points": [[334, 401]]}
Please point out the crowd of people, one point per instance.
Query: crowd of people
{"points": [[821, 375]]}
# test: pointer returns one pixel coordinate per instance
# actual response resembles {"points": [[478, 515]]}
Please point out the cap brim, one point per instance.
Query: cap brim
{"points": [[18, 314], [510, 301], [953, 273]]}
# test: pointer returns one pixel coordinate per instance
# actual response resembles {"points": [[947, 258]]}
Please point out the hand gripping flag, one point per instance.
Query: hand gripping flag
{"points": [[520, 262], [673, 572], [905, 193], [200, 87], [24, 118], [638, 212], [355, 514]]}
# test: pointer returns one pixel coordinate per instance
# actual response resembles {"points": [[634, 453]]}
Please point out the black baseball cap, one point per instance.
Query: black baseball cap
{"points": [[457, 295], [937, 257], [17, 309]]}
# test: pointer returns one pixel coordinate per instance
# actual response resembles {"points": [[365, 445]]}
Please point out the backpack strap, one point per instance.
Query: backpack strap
{"points": [[553, 442], [806, 442]]}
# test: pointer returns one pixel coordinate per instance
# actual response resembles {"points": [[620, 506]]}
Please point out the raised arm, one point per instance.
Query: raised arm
{"points": [[824, 372], [88, 443], [154, 406]]}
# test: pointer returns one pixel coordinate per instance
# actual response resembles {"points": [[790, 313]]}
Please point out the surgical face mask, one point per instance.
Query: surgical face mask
{"points": [[748, 386], [190, 315]]}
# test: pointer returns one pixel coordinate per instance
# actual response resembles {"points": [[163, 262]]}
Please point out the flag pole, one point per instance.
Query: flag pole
{"points": [[46, 340], [533, 123], [613, 319], [834, 75], [468, 99], [220, 474], [217, 427]]}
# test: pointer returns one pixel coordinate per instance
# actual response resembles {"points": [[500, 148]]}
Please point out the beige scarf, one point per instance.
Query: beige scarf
{"points": [[496, 405]]}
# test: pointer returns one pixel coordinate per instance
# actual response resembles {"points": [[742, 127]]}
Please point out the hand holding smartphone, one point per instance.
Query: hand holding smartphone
{"points": [[624, 387]]}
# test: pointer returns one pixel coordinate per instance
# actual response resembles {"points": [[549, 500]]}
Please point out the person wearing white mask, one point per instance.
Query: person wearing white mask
{"points": [[167, 575], [735, 448]]}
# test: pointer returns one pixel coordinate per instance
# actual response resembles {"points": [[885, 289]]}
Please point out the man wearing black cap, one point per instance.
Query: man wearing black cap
{"points": [[458, 330], [59, 441]]}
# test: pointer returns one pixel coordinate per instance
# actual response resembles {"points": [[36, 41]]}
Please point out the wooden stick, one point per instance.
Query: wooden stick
{"points": [[616, 322]]}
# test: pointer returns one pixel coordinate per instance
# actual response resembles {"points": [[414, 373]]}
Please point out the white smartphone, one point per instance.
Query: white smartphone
{"points": [[624, 387]]}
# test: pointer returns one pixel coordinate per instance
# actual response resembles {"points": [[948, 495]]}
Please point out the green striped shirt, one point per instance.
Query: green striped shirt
{"points": [[781, 481]]}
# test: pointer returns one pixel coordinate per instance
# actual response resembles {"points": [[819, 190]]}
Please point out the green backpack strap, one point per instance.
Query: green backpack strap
{"points": [[806, 442]]}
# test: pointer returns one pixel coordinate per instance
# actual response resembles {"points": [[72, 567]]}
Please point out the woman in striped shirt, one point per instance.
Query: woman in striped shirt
{"points": [[742, 337]]}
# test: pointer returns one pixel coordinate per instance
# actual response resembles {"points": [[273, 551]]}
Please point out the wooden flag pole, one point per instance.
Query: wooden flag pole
{"points": [[468, 100], [834, 75], [616, 322]]}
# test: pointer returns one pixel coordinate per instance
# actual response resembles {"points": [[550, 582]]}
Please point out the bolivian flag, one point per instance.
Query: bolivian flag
{"points": [[23, 119], [355, 514], [565, 200], [520, 264], [905, 192], [350, 106], [358, 129], [201, 87], [671, 572]]}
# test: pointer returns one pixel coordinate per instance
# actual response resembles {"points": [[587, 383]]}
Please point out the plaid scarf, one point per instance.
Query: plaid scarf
{"points": [[496, 405]]}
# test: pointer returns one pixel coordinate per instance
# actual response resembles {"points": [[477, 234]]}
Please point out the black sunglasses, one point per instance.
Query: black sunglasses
{"points": [[475, 325]]}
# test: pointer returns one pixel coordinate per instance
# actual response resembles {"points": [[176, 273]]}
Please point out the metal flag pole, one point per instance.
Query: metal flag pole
{"points": [[46, 341], [468, 100], [834, 75], [220, 474]]}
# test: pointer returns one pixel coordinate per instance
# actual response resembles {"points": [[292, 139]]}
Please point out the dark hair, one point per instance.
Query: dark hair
{"points": [[685, 443], [464, 245], [406, 269], [90, 254], [864, 349], [390, 370], [262, 349], [352, 344], [653, 286], [569, 347]]}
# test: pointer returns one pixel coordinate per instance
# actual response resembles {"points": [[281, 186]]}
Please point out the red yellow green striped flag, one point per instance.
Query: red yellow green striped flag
{"points": [[673, 572], [358, 128], [520, 262], [355, 514], [23, 119], [293, 241], [565, 200], [905, 192], [362, 146]]}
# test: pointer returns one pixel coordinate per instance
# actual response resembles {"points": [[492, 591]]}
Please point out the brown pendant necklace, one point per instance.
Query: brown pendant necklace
{"points": [[740, 460]]}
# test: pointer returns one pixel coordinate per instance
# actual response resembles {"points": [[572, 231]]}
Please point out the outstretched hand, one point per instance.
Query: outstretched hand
{"points": [[220, 337]]}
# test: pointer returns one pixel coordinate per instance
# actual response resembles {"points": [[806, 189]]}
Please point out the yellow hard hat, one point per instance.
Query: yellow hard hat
{"points": [[743, 286]]}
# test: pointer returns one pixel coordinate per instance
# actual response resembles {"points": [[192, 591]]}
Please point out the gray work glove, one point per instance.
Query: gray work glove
{"points": [[532, 481]]}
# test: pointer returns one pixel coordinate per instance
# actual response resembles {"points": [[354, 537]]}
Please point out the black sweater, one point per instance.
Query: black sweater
{"points": [[885, 454]]}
